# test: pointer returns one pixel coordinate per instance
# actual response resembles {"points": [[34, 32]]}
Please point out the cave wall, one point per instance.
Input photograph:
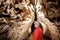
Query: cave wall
{"points": [[17, 16]]}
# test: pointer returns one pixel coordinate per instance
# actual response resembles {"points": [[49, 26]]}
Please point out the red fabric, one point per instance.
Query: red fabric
{"points": [[38, 34]]}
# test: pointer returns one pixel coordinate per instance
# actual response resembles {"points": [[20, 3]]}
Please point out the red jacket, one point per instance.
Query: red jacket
{"points": [[38, 34]]}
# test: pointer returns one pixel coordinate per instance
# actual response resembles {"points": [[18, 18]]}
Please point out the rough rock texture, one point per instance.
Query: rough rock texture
{"points": [[16, 17], [49, 9]]}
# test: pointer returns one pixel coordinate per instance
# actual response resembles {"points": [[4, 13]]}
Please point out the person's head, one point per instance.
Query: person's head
{"points": [[36, 23]]}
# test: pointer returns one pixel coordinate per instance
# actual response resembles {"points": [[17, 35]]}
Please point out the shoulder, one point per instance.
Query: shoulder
{"points": [[36, 30]]}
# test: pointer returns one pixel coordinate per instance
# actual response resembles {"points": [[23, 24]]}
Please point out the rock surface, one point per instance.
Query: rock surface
{"points": [[17, 16]]}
